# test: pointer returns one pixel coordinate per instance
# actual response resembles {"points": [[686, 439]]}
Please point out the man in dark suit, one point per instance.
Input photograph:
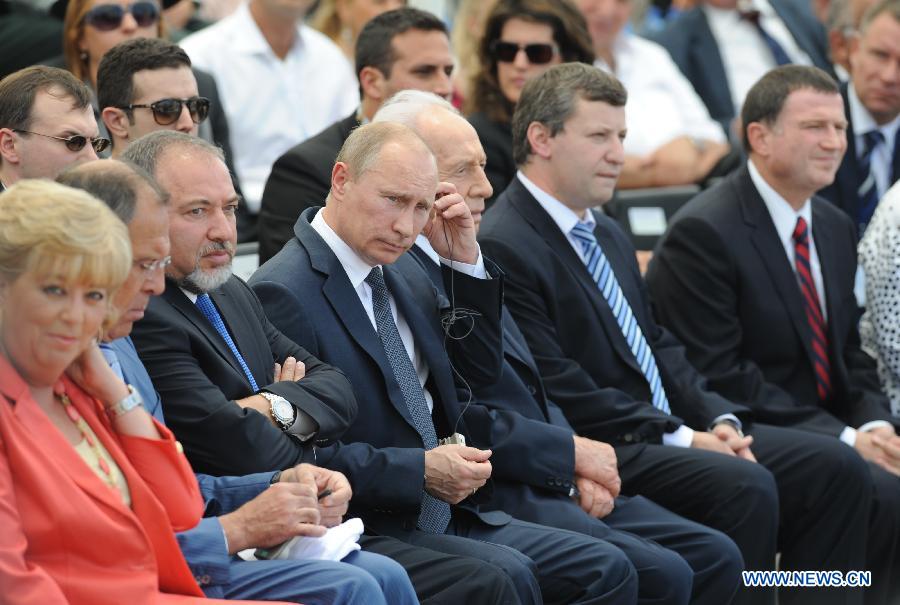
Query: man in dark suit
{"points": [[46, 124], [514, 414], [344, 288], [576, 293], [213, 367], [399, 49], [722, 49], [756, 278], [872, 104]]}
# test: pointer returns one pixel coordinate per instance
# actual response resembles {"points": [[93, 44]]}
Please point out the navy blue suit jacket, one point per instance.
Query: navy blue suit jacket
{"points": [[690, 41], [586, 364], [306, 293], [842, 192]]}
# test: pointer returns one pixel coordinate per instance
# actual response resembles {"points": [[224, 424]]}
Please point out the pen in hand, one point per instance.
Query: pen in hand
{"points": [[323, 494]]}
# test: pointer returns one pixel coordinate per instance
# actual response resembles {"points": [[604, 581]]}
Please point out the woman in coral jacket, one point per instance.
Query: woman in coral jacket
{"points": [[91, 487]]}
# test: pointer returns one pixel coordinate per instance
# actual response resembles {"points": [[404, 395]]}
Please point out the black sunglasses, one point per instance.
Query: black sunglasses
{"points": [[107, 17], [167, 111], [537, 53], [74, 143]]}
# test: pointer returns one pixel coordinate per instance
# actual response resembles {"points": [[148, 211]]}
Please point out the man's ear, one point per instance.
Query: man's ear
{"points": [[758, 137], [340, 176], [8, 149], [116, 121], [372, 82], [539, 139]]}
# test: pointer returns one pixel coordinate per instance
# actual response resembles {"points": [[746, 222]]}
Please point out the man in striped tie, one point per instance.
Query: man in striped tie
{"points": [[755, 276], [573, 285]]}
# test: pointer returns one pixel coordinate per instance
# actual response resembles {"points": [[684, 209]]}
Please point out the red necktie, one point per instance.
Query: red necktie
{"points": [[821, 365]]}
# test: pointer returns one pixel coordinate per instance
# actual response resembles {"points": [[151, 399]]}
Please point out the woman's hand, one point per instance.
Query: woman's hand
{"points": [[92, 373]]}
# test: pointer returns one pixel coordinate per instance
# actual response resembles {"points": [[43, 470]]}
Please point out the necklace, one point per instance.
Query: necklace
{"points": [[76, 418]]}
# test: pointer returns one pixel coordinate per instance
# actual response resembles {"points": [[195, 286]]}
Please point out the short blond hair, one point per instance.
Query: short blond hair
{"points": [[51, 229]]}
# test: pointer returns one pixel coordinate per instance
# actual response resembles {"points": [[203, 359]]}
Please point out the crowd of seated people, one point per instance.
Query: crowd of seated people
{"points": [[449, 380]]}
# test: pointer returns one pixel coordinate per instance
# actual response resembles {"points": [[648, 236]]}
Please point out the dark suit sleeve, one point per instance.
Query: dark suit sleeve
{"points": [[693, 283], [295, 184], [601, 413], [324, 392]]}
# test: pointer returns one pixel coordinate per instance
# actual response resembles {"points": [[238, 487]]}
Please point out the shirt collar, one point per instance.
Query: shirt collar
{"points": [[423, 243], [251, 39], [356, 268], [564, 217], [783, 214], [621, 50]]}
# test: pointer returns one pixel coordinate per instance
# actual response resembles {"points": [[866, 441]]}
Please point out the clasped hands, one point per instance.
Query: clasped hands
{"points": [[880, 445], [724, 438], [289, 508], [596, 476]]}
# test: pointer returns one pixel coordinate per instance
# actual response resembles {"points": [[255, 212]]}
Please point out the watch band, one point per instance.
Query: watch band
{"points": [[127, 404]]}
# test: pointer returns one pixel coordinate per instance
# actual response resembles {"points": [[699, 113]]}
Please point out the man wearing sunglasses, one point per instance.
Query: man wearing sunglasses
{"points": [[145, 85], [46, 124]]}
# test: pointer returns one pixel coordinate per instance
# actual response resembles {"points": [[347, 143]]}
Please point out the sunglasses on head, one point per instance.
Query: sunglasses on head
{"points": [[107, 17], [537, 53], [74, 143], [167, 111]]}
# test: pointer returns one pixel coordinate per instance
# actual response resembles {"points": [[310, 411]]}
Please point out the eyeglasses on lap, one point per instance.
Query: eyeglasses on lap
{"points": [[107, 17], [74, 143], [167, 111], [537, 54]]}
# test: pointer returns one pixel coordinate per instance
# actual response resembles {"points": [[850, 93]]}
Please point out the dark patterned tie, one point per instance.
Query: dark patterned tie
{"points": [[206, 306], [435, 514], [778, 53], [821, 365], [868, 189]]}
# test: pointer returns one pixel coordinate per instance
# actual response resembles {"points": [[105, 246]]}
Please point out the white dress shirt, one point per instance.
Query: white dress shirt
{"points": [[879, 328], [357, 270], [785, 218], [272, 104], [882, 160], [566, 219], [745, 55], [662, 105]]}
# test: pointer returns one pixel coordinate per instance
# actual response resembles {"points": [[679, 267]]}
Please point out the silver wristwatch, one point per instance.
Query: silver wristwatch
{"points": [[281, 409], [127, 404]]}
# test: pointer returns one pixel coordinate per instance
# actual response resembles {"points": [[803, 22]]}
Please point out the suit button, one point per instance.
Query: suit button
{"points": [[550, 481], [532, 390], [629, 438], [204, 580]]}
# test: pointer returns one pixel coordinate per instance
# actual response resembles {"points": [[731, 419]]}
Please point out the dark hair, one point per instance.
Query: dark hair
{"points": [[549, 99], [374, 46], [570, 33], [765, 99], [115, 76], [19, 89], [115, 183], [891, 7]]}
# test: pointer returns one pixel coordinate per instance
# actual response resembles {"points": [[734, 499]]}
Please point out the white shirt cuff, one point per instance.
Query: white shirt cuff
{"points": [[730, 417], [476, 270], [304, 426], [848, 436], [681, 437]]}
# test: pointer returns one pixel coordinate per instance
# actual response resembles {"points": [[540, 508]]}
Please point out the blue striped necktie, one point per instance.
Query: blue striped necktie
{"points": [[868, 189], [602, 274], [435, 514], [206, 306]]}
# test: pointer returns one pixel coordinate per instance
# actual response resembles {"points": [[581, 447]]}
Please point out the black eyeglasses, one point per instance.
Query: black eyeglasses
{"points": [[74, 143], [536, 53], [107, 17], [167, 111]]}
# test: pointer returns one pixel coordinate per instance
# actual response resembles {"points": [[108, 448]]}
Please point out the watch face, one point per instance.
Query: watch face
{"points": [[283, 410]]}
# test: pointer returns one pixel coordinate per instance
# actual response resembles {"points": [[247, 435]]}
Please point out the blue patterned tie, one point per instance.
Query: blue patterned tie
{"points": [[601, 272], [435, 514], [868, 189], [206, 306]]}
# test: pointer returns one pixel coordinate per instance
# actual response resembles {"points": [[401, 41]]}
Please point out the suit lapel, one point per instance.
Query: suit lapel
{"points": [[234, 316], [771, 251], [828, 262], [190, 311], [705, 54], [559, 245]]}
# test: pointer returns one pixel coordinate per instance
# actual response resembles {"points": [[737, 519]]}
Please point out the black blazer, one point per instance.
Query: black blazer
{"points": [[496, 139], [587, 367], [198, 379], [306, 293], [721, 281], [300, 179], [694, 49], [842, 192]]}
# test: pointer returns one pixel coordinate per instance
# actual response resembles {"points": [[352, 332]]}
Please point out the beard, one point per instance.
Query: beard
{"points": [[200, 281]]}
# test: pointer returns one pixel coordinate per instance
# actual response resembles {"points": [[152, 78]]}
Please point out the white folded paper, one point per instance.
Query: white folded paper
{"points": [[338, 542]]}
